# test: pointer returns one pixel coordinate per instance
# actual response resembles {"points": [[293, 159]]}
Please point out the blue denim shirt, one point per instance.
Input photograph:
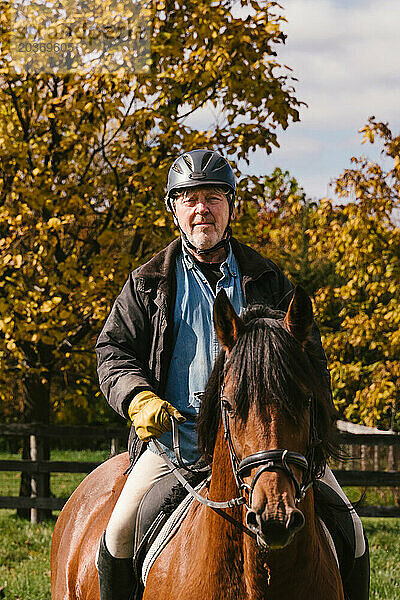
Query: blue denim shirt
{"points": [[196, 344]]}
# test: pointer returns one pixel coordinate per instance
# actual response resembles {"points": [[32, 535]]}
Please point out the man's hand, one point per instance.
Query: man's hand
{"points": [[149, 415]]}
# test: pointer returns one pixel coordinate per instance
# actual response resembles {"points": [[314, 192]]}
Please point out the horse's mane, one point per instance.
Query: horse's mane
{"points": [[268, 364]]}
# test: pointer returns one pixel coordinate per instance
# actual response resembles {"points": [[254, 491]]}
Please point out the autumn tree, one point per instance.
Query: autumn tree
{"points": [[83, 163], [277, 218], [347, 257], [359, 309]]}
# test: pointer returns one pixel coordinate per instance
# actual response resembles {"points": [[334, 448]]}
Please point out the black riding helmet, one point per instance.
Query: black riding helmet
{"points": [[201, 168], [198, 168]]}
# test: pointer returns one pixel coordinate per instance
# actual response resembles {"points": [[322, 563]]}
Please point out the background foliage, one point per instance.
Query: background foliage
{"points": [[348, 257], [83, 164]]}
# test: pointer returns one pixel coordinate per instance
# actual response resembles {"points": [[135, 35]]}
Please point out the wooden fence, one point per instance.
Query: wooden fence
{"points": [[40, 468], [376, 455], [370, 445]]}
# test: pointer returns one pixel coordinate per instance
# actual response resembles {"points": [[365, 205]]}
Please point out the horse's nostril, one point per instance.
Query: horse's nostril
{"points": [[295, 520], [251, 519]]}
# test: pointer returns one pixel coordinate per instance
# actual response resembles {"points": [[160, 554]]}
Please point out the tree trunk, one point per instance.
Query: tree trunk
{"points": [[36, 391]]}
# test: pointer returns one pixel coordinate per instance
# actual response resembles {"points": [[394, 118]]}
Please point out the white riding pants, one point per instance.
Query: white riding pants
{"points": [[119, 533], [151, 468]]}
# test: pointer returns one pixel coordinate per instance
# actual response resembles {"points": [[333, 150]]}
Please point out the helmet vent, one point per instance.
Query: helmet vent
{"points": [[188, 160], [221, 162], [205, 160], [177, 168]]}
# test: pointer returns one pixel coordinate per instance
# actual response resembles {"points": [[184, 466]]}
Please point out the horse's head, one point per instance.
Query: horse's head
{"points": [[275, 402]]}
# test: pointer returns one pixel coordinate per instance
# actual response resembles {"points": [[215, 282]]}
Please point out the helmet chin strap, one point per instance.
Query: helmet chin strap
{"points": [[224, 243]]}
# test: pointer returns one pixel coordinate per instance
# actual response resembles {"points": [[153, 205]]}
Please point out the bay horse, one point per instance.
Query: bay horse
{"points": [[267, 424]]}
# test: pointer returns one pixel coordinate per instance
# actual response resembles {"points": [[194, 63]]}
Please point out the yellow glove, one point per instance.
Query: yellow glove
{"points": [[149, 415]]}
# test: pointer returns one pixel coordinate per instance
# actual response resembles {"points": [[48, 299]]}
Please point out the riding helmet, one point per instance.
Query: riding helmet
{"points": [[198, 168]]}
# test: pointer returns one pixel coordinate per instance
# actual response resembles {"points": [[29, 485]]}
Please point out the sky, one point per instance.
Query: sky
{"points": [[346, 56]]}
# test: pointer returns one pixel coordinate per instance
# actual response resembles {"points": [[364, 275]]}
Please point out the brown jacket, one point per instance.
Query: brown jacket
{"points": [[136, 344]]}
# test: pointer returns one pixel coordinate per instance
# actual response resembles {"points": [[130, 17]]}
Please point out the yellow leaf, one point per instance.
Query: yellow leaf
{"points": [[53, 222]]}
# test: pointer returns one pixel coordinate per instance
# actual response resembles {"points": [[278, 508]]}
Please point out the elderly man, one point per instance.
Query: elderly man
{"points": [[158, 345]]}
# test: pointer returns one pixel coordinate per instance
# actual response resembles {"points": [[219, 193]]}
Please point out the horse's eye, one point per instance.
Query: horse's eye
{"points": [[228, 406]]}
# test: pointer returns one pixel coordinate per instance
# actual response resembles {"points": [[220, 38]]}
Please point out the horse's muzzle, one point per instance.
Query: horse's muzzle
{"points": [[273, 532]]}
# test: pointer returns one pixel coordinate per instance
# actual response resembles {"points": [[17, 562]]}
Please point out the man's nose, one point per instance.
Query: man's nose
{"points": [[202, 206]]}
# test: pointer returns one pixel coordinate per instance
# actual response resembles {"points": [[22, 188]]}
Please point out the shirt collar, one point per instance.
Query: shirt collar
{"points": [[229, 265]]}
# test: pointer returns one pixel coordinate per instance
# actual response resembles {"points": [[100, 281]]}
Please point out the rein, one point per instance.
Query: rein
{"points": [[192, 469], [265, 460]]}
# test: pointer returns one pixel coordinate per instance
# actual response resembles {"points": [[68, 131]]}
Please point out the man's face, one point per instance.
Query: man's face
{"points": [[203, 215]]}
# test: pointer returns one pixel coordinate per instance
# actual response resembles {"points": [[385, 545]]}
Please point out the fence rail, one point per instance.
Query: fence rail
{"points": [[62, 431], [39, 468]]}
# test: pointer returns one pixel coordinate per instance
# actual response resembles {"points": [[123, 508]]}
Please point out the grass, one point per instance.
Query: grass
{"points": [[374, 496], [25, 548], [25, 558], [384, 542]]}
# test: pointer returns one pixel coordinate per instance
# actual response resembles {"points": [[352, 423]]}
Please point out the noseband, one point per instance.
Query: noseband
{"points": [[265, 460], [272, 460]]}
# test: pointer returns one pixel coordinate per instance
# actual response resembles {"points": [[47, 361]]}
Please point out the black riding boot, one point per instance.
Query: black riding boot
{"points": [[356, 584], [116, 576]]}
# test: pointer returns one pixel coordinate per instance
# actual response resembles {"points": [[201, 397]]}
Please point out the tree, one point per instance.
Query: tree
{"points": [[347, 257], [83, 162], [279, 218], [359, 309]]}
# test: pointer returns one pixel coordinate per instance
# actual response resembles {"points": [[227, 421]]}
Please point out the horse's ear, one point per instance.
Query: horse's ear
{"points": [[299, 317], [227, 323]]}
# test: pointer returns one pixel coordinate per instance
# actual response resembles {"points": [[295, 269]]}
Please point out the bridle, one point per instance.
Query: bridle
{"points": [[272, 460], [265, 460]]}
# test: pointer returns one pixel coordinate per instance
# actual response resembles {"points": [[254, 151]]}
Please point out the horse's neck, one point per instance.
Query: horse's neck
{"points": [[251, 570], [300, 564]]}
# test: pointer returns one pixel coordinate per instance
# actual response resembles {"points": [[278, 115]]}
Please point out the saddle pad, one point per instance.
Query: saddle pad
{"points": [[167, 532], [330, 541]]}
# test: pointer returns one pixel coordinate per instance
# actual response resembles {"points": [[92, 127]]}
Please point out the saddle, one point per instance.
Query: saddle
{"points": [[335, 515], [166, 503], [160, 503]]}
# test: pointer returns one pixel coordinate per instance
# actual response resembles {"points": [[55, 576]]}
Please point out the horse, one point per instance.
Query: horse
{"points": [[266, 424]]}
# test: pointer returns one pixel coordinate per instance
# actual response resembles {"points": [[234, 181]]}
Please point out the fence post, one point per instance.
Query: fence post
{"points": [[391, 458], [37, 479], [363, 457], [376, 458], [115, 446]]}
